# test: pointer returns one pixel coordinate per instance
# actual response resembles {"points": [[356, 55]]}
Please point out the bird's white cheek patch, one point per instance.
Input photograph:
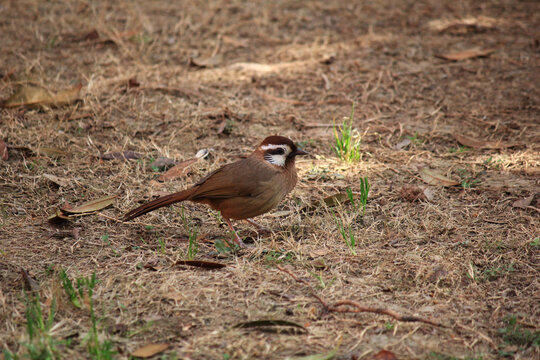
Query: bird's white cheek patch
{"points": [[275, 159]]}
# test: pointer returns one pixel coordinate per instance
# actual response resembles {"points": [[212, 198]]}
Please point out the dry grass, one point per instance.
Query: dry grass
{"points": [[466, 258]]}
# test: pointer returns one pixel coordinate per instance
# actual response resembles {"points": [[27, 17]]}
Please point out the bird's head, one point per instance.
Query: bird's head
{"points": [[279, 150]]}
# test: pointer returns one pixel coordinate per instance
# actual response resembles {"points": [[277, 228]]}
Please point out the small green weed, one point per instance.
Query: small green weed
{"points": [[192, 231], [41, 344], [535, 242], [223, 247], [389, 326], [493, 273], [469, 180], [347, 140], [458, 150], [346, 233], [275, 256], [81, 293], [106, 240], [320, 279], [489, 163], [415, 140], [67, 284], [364, 193], [514, 334], [162, 245], [99, 350]]}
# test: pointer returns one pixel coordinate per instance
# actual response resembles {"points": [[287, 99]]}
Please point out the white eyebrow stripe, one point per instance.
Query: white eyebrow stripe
{"points": [[273, 147]]}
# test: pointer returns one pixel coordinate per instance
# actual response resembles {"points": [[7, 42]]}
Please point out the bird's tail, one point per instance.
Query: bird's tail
{"points": [[160, 202]]}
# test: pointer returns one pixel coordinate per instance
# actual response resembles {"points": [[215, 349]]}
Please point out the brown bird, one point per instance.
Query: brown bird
{"points": [[243, 189]]}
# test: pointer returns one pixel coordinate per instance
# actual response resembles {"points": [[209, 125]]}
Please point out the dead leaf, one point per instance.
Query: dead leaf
{"points": [[3, 150], [51, 152], [150, 350], [464, 25], [206, 62], [162, 163], [482, 144], [434, 178], [90, 36], [117, 328], [466, 54], [56, 180], [222, 126], [201, 263], [255, 67], [336, 199], [91, 206], [437, 273], [58, 217], [318, 252], [324, 356], [126, 155], [133, 82], [330, 201], [234, 41], [179, 170], [173, 295], [64, 234], [68, 96], [183, 168], [402, 144], [523, 203], [29, 282], [412, 193], [264, 323], [280, 213], [430, 195], [384, 355], [37, 97]]}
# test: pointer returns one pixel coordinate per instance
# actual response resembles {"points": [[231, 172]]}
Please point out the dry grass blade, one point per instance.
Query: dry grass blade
{"points": [[91, 206], [434, 178], [149, 350], [482, 144]]}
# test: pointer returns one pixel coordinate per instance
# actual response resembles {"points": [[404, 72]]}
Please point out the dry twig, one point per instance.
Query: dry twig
{"points": [[341, 306]]}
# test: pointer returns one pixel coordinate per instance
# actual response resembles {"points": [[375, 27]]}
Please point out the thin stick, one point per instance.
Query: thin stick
{"points": [[341, 306]]}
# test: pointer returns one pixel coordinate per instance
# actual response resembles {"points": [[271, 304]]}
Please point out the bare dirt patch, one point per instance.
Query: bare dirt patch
{"points": [[165, 80]]}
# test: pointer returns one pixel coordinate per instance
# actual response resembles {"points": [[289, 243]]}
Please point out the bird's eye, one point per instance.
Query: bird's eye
{"points": [[278, 151]]}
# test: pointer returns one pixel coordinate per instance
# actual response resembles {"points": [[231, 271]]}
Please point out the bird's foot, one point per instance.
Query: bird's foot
{"points": [[238, 241], [260, 228]]}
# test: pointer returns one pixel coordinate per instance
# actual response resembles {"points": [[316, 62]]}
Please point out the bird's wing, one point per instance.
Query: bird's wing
{"points": [[231, 180]]}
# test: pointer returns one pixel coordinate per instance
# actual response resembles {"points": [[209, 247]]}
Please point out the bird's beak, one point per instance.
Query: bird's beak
{"points": [[300, 152]]}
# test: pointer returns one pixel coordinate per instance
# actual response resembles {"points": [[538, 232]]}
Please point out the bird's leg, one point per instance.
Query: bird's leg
{"points": [[237, 238], [259, 227]]}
